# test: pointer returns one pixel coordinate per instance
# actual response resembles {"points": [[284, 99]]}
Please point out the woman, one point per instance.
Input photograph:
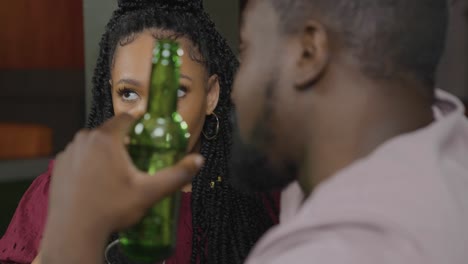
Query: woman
{"points": [[217, 223]]}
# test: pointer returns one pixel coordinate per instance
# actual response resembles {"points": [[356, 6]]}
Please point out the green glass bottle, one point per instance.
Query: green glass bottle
{"points": [[158, 140]]}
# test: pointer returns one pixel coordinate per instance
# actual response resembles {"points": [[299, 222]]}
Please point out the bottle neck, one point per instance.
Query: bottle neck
{"points": [[162, 100], [164, 82]]}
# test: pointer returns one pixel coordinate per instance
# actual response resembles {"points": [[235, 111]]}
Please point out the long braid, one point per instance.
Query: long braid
{"points": [[226, 222]]}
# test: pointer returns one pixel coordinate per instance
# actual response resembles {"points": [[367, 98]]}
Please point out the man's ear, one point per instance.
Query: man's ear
{"points": [[213, 94], [314, 57]]}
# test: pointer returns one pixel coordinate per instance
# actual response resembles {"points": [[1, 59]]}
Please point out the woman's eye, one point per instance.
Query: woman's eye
{"points": [[128, 95], [181, 92]]}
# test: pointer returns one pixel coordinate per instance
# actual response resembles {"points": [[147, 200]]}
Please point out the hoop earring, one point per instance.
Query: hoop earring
{"points": [[108, 248], [217, 129]]}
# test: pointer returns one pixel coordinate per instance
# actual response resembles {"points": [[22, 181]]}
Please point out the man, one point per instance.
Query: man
{"points": [[335, 101]]}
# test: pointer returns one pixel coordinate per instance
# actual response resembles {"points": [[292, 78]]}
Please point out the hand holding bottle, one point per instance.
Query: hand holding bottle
{"points": [[96, 190]]}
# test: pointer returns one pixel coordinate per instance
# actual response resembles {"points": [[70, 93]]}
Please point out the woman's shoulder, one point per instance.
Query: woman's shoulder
{"points": [[21, 240]]}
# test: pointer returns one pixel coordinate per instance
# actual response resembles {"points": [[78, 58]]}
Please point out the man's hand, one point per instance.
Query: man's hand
{"points": [[95, 190]]}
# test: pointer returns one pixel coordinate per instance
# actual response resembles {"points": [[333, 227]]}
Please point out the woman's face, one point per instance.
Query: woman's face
{"points": [[198, 93]]}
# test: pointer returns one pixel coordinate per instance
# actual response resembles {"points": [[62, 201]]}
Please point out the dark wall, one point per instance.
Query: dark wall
{"points": [[453, 70], [41, 34], [42, 65], [54, 98]]}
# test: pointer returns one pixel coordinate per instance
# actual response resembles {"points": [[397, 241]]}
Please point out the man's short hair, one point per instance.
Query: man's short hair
{"points": [[391, 38]]}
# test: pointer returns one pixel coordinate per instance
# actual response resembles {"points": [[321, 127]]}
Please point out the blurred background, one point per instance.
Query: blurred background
{"points": [[48, 50]]}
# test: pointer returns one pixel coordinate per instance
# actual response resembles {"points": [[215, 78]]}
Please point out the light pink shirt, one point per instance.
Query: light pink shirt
{"points": [[406, 203]]}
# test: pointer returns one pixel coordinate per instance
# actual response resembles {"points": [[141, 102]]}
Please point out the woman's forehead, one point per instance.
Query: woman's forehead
{"points": [[129, 57], [149, 36]]}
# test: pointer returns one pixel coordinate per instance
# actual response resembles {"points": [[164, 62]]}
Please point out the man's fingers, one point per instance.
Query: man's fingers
{"points": [[119, 125], [165, 182]]}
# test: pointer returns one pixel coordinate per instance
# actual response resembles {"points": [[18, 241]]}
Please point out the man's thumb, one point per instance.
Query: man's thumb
{"points": [[167, 181]]}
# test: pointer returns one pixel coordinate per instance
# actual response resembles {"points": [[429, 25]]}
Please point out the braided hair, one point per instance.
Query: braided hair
{"points": [[226, 222]]}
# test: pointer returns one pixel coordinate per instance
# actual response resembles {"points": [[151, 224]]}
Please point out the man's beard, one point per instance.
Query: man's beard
{"points": [[251, 168]]}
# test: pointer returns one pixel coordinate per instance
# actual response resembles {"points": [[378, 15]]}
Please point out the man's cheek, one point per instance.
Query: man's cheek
{"points": [[248, 117]]}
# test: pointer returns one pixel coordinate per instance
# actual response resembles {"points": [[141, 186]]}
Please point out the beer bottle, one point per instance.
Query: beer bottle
{"points": [[158, 140]]}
